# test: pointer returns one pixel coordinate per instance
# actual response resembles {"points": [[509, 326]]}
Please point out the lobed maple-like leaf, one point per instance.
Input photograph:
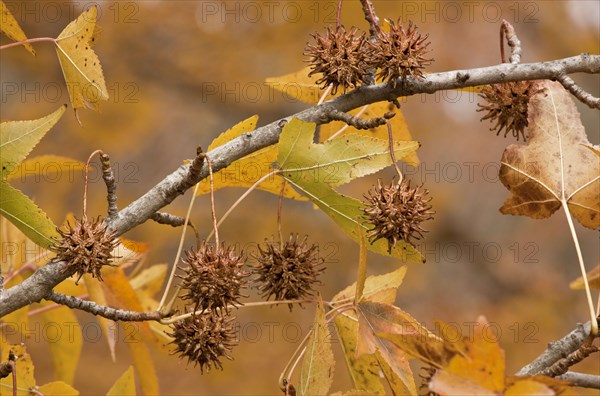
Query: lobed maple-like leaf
{"points": [[80, 64], [11, 28], [555, 167], [316, 169]]}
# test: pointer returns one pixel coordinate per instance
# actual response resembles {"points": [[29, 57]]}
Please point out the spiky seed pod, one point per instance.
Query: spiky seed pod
{"points": [[213, 278], [396, 212], [204, 339], [85, 246], [507, 105], [399, 53], [339, 56], [290, 271]]}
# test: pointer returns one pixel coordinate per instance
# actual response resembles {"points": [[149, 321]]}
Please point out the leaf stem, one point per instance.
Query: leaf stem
{"points": [[85, 185], [242, 197], [28, 41], [392, 155], [178, 255], [594, 321]]}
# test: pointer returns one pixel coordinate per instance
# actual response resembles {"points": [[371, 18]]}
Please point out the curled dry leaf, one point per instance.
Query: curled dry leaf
{"points": [[555, 167]]}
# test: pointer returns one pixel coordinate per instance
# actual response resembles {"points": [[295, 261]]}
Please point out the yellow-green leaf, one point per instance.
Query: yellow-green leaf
{"points": [[378, 288], [58, 388], [51, 168], [298, 86], [80, 64], [246, 171], [364, 370], [125, 385], [109, 328], [11, 28], [64, 340], [318, 363], [17, 208], [316, 169], [18, 138]]}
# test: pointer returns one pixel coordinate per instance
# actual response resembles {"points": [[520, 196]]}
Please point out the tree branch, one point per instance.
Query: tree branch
{"points": [[558, 350], [100, 310], [43, 280], [581, 380]]}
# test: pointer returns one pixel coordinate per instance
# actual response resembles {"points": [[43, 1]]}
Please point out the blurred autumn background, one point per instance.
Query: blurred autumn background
{"points": [[181, 72]]}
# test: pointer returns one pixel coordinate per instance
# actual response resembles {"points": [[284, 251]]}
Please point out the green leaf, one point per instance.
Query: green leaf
{"points": [[80, 64], [17, 208], [11, 28], [316, 376], [125, 385], [18, 138], [315, 169]]}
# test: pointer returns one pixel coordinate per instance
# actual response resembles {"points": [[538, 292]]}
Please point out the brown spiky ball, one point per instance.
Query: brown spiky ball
{"points": [[288, 271], [85, 246], [339, 56], [507, 105], [399, 53], [395, 212], [204, 339], [213, 277]]}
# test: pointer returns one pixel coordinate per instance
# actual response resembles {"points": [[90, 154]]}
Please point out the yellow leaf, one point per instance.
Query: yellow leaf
{"points": [[299, 86], [362, 268], [446, 384], [64, 338], [144, 366], [109, 328], [246, 171], [58, 388], [378, 288], [150, 280], [529, 387], [80, 64], [318, 364], [51, 168], [125, 385], [11, 28], [593, 277], [25, 370]]}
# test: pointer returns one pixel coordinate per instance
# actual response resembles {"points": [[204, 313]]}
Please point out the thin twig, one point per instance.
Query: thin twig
{"points": [[562, 365], [360, 123], [175, 221], [338, 15], [346, 126], [587, 98], [111, 185], [105, 312], [506, 29], [213, 212], [371, 17]]}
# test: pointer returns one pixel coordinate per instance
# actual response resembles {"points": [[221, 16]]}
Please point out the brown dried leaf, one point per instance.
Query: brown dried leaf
{"points": [[554, 167]]}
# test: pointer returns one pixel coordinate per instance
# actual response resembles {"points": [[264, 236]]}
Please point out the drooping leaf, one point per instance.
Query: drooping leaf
{"points": [[18, 138], [80, 64], [298, 86], [58, 388], [150, 280], [364, 369], [316, 169], [480, 370], [375, 318], [144, 366], [11, 28], [65, 348], [125, 385], [318, 363], [52, 167], [362, 268], [109, 328], [20, 210], [593, 277], [246, 171], [554, 167]]}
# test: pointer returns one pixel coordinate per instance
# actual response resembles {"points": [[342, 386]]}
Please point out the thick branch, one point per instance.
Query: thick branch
{"points": [[100, 310], [558, 350], [37, 286], [581, 380]]}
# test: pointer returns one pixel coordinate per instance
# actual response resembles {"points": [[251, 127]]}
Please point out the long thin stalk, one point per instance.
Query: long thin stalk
{"points": [[28, 41]]}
